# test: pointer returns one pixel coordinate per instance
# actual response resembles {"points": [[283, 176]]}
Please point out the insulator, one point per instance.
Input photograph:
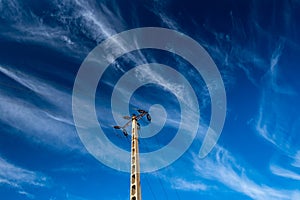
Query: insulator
{"points": [[126, 117], [141, 111], [125, 132], [149, 117]]}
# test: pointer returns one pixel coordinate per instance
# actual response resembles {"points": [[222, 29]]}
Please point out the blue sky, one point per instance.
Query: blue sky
{"points": [[254, 44]]}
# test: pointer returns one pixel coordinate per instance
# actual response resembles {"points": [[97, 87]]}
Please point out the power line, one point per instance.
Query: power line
{"points": [[149, 185], [162, 186], [176, 191], [177, 194]]}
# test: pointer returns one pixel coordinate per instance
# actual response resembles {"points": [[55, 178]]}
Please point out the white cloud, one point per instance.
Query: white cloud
{"points": [[279, 171], [159, 9], [53, 95], [275, 58], [74, 197], [274, 73], [147, 73], [30, 196], [53, 129], [30, 27], [185, 185], [276, 121], [18, 178], [224, 169], [37, 125], [296, 162], [261, 126], [65, 23]]}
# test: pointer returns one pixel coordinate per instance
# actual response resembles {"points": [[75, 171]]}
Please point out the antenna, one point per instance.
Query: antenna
{"points": [[135, 184]]}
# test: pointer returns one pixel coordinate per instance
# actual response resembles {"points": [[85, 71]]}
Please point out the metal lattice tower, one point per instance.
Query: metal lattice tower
{"points": [[135, 184]]}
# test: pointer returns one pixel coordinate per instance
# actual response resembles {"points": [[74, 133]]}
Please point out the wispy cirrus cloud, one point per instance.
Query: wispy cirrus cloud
{"points": [[37, 125], [19, 178], [51, 94], [285, 173], [182, 182], [26, 26], [224, 168], [159, 8], [186, 185], [53, 127], [70, 196], [290, 169], [277, 122], [96, 19], [296, 162], [72, 27], [274, 73]]}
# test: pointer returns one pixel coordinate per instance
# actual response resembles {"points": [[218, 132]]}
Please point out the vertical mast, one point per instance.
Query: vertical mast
{"points": [[135, 185]]}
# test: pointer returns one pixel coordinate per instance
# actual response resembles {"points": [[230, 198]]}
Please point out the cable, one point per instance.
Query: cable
{"points": [[149, 185], [162, 186], [177, 194], [176, 191]]}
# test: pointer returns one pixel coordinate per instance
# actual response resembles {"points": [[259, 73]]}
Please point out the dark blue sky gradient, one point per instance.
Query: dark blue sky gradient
{"points": [[255, 45]]}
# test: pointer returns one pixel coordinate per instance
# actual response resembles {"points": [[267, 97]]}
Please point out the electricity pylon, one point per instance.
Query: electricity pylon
{"points": [[135, 184]]}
